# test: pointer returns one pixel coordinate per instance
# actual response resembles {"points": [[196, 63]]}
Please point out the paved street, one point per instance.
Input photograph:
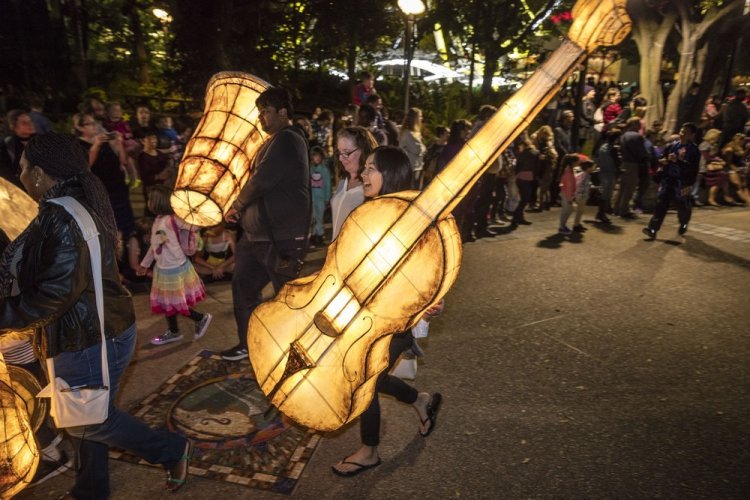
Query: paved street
{"points": [[601, 366]]}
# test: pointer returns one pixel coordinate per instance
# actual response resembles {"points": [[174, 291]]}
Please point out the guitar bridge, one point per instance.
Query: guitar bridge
{"points": [[297, 361]]}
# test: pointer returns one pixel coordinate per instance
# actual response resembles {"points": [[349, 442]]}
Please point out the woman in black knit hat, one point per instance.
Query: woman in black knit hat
{"points": [[49, 262]]}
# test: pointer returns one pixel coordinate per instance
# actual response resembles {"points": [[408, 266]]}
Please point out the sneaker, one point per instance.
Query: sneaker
{"points": [[202, 325], [236, 353], [54, 461], [166, 338], [649, 232], [564, 230], [579, 228], [683, 229]]}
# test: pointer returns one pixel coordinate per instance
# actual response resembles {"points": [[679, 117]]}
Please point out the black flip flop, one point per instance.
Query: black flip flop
{"points": [[354, 472], [432, 410]]}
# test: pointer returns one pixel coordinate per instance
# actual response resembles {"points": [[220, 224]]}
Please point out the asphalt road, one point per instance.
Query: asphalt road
{"points": [[601, 366]]}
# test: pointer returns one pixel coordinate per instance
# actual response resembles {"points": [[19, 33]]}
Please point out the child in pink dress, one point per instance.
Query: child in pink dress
{"points": [[176, 287]]}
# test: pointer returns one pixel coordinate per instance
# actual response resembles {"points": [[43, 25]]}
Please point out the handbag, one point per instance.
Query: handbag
{"points": [[81, 405]]}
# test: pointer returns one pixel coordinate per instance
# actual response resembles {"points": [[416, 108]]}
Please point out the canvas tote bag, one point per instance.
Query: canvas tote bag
{"points": [[86, 405]]}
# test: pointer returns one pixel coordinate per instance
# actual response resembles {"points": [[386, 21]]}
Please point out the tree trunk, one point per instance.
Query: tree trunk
{"points": [[490, 67], [140, 53], [692, 34], [650, 37], [223, 35], [78, 52]]}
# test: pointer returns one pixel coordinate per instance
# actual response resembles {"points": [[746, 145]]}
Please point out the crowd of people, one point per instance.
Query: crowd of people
{"points": [[312, 169]]}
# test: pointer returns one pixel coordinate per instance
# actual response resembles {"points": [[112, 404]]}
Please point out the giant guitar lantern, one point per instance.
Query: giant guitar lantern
{"points": [[19, 454], [318, 347], [216, 163]]}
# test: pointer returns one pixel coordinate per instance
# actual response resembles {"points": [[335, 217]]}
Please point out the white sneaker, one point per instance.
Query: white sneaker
{"points": [[166, 338], [202, 326]]}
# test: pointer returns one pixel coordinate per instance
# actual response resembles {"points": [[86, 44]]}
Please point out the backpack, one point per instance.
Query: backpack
{"points": [[188, 241]]}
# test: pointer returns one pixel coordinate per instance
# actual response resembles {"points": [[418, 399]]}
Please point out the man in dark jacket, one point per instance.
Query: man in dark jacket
{"points": [[676, 176], [274, 211], [634, 153]]}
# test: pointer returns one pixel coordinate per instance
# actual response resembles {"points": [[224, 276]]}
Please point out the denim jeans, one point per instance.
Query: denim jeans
{"points": [[120, 430]]}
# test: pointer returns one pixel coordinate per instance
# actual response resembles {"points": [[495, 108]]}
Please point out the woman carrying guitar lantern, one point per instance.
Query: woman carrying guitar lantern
{"points": [[388, 170]]}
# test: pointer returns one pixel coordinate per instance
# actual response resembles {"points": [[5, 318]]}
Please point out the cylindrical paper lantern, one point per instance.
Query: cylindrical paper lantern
{"points": [[19, 454], [17, 209], [217, 159]]}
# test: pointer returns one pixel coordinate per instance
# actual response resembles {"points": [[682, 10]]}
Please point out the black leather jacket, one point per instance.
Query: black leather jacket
{"points": [[57, 296]]}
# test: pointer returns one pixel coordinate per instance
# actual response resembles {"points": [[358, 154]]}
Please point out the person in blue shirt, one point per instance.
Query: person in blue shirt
{"points": [[676, 175]]}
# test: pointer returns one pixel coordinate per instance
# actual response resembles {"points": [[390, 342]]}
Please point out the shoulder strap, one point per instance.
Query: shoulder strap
{"points": [[91, 235]]}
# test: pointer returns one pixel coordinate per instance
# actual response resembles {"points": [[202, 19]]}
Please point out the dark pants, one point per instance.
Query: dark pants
{"points": [[369, 422], [172, 320], [253, 270], [525, 191], [464, 211], [482, 207], [664, 198], [120, 430], [644, 181], [498, 197], [628, 183]]}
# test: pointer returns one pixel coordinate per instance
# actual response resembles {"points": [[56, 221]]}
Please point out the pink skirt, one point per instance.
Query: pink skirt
{"points": [[174, 291]]}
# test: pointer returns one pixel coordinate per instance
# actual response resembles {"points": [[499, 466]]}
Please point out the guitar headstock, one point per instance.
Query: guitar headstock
{"points": [[599, 23]]}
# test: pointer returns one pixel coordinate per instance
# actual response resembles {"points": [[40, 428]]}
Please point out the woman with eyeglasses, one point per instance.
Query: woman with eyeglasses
{"points": [[388, 170], [106, 156], [353, 146]]}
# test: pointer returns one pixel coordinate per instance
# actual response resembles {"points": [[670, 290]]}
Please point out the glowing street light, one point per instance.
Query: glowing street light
{"points": [[162, 14], [411, 7]]}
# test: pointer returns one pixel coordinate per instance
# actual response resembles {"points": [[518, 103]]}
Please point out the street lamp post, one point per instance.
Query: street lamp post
{"points": [[411, 9]]}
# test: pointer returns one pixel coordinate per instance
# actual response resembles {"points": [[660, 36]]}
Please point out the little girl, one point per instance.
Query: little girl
{"points": [[567, 190], [176, 286], [216, 259]]}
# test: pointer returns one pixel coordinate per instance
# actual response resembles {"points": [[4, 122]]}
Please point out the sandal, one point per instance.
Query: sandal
{"points": [[178, 474], [358, 468], [432, 410]]}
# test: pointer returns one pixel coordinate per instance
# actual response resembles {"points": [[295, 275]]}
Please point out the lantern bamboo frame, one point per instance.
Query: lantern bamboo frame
{"points": [[216, 163], [19, 453]]}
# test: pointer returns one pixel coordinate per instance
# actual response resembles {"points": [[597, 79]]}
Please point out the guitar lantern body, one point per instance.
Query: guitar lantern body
{"points": [[323, 378]]}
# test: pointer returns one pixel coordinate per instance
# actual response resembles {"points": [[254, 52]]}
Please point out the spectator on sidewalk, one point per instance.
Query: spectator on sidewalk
{"points": [[11, 148], [633, 152], [363, 89]]}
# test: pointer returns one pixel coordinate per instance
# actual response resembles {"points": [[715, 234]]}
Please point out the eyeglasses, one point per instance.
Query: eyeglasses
{"points": [[347, 154]]}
